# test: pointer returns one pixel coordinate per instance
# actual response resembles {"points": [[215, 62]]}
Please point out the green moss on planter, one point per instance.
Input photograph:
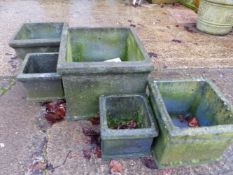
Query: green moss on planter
{"points": [[136, 142], [101, 45], [184, 146], [123, 119], [85, 75]]}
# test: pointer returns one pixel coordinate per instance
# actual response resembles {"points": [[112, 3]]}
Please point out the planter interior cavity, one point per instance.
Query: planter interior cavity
{"points": [[97, 45], [85, 74], [126, 142], [38, 75], [180, 145], [37, 37]]}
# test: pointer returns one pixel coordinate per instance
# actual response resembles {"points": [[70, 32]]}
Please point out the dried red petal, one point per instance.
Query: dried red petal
{"points": [[61, 111], [97, 151], [52, 117], [55, 111], [192, 122], [115, 167], [131, 124]]}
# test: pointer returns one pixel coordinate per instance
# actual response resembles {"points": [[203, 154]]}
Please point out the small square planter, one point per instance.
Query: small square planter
{"points": [[86, 76], [36, 38], [38, 75], [178, 145], [126, 143]]}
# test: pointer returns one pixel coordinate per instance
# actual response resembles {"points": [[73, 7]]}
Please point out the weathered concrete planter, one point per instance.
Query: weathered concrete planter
{"points": [[38, 75], [37, 38], [182, 146], [126, 143], [85, 76], [215, 16]]}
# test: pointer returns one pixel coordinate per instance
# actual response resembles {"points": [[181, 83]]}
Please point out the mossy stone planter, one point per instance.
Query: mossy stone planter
{"points": [[38, 75], [126, 143], [184, 146], [37, 38], [86, 76], [215, 16]]}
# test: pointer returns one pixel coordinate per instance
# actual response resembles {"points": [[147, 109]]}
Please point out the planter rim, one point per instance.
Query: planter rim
{"points": [[223, 2], [106, 132], [17, 43], [176, 131], [36, 76], [69, 68]]}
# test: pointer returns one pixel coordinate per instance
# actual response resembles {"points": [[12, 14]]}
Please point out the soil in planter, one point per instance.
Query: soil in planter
{"points": [[126, 121], [185, 120]]}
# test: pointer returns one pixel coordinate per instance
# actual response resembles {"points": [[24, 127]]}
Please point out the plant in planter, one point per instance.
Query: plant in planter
{"points": [[38, 75], [86, 74], [36, 38], [209, 128], [215, 16], [127, 126]]}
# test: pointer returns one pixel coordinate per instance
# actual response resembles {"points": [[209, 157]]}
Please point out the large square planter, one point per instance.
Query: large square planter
{"points": [[86, 76], [126, 143], [38, 75], [190, 145], [36, 38]]}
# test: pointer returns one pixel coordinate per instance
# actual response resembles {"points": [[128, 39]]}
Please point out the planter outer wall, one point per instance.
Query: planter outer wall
{"points": [[42, 86], [126, 143], [187, 146], [84, 82], [215, 17]]}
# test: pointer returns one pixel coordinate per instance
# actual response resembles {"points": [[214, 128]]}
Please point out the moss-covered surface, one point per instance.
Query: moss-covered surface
{"points": [[6, 84], [83, 92], [197, 98], [114, 122], [88, 45], [128, 142], [196, 146]]}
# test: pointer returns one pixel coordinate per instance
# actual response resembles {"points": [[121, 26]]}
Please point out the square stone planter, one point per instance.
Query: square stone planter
{"points": [[126, 143], [188, 145], [86, 76], [38, 75], [36, 38]]}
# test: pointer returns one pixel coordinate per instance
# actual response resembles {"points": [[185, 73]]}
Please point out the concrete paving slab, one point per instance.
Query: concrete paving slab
{"points": [[61, 146], [22, 140]]}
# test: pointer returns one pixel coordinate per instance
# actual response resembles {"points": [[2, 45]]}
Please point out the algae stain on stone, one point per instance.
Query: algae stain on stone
{"points": [[99, 45]]}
